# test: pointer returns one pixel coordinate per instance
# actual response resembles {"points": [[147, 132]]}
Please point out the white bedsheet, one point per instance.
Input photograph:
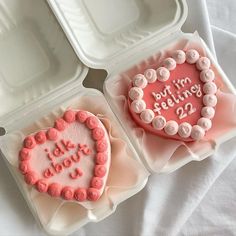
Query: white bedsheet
{"points": [[198, 199]]}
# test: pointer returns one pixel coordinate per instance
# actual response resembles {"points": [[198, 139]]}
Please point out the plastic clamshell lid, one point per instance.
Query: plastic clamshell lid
{"points": [[34, 50], [106, 32]]}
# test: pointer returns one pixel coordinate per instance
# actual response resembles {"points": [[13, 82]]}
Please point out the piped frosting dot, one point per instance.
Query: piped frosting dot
{"points": [[209, 88], [205, 123], [135, 93], [147, 116], [60, 124], [159, 122], [54, 190], [203, 63], [207, 75], [169, 63], [185, 130], [100, 171], [140, 81], [93, 194], [80, 194], [40, 137], [96, 182], [67, 193], [197, 132], [24, 167], [24, 154], [98, 133], [31, 177], [52, 134], [69, 116], [208, 112], [163, 74], [42, 186], [81, 116], [150, 75], [92, 122], [138, 106], [171, 127], [192, 56], [101, 145], [101, 158], [210, 100], [179, 56], [29, 142]]}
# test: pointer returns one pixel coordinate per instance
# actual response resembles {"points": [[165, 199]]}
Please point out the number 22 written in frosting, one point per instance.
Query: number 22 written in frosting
{"points": [[175, 97]]}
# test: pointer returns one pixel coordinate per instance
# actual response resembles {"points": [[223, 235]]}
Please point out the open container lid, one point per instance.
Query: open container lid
{"points": [[106, 32], [36, 59]]}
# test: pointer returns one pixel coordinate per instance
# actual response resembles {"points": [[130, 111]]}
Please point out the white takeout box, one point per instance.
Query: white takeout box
{"points": [[39, 70], [118, 35]]}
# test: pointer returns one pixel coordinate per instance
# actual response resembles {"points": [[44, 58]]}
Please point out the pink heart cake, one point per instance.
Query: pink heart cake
{"points": [[176, 100], [71, 160]]}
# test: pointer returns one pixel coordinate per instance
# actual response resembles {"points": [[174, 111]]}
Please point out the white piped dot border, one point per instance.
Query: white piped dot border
{"points": [[207, 76]]}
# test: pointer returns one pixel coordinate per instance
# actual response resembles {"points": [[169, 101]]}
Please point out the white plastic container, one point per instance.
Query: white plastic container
{"points": [[41, 76], [132, 38]]}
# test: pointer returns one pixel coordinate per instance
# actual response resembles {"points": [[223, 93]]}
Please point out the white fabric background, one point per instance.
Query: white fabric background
{"points": [[198, 199]]}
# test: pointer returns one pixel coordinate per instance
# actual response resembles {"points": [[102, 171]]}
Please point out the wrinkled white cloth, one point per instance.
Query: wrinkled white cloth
{"points": [[198, 199]]}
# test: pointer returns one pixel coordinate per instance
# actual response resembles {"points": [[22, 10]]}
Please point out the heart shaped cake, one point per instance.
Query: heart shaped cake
{"points": [[70, 160], [176, 100]]}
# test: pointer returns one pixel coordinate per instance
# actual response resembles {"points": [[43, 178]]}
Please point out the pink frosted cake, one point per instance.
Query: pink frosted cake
{"points": [[71, 160], [176, 100]]}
